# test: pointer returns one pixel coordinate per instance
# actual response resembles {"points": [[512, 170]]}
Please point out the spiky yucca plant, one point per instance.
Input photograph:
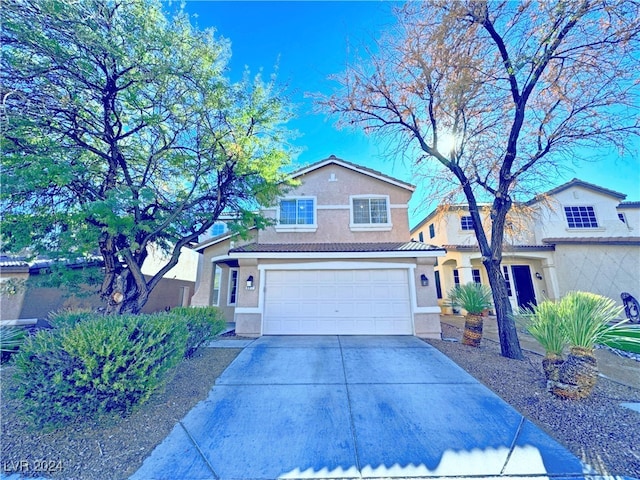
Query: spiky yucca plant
{"points": [[474, 298], [544, 323]]}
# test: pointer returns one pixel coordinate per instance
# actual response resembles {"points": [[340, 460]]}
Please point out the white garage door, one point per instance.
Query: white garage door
{"points": [[337, 302]]}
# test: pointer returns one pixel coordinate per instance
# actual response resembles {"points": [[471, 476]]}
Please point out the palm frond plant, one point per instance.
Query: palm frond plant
{"points": [[544, 323], [587, 321], [11, 338], [474, 298], [623, 336]]}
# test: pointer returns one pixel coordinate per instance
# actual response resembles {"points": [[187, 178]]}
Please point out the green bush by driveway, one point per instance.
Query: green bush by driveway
{"points": [[101, 365]]}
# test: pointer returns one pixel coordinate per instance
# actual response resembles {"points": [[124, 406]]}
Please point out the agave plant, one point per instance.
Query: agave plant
{"points": [[544, 323], [474, 298], [586, 321]]}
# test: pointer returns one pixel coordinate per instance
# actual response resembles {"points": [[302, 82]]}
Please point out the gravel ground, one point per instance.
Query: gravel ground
{"points": [[598, 429]]}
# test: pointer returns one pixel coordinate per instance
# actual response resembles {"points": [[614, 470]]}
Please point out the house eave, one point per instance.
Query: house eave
{"points": [[341, 255]]}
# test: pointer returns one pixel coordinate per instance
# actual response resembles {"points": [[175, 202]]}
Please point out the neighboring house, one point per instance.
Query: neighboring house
{"points": [[338, 260], [578, 236], [21, 299]]}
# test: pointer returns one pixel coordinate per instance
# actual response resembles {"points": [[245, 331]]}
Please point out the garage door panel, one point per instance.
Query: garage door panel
{"points": [[317, 302]]}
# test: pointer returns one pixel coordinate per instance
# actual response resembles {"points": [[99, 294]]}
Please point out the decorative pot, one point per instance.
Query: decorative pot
{"points": [[472, 330], [577, 375]]}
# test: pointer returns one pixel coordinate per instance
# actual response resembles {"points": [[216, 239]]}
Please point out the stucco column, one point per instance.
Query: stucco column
{"points": [[551, 280], [464, 270]]}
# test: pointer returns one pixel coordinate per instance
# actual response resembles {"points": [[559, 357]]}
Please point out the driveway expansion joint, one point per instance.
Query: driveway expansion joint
{"points": [[199, 450]]}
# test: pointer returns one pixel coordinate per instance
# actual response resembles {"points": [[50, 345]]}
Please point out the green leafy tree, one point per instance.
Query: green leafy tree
{"points": [[121, 132], [488, 99]]}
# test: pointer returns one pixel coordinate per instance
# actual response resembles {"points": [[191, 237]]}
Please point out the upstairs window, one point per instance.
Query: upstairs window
{"points": [[432, 231], [622, 218], [370, 210], [581, 217], [466, 222], [297, 211], [370, 213], [218, 229], [421, 237]]}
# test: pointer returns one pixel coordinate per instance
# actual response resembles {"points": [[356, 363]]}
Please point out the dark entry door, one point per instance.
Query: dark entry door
{"points": [[524, 285]]}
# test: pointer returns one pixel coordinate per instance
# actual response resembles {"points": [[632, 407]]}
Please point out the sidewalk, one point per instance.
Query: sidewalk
{"points": [[614, 367]]}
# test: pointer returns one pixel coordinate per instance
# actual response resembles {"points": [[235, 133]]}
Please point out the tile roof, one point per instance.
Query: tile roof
{"points": [[334, 247], [593, 240], [628, 204], [505, 248]]}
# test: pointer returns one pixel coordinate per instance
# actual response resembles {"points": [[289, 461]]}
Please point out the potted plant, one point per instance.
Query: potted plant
{"points": [[544, 323], [474, 298], [587, 321]]}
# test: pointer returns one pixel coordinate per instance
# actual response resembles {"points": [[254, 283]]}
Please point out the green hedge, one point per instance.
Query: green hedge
{"points": [[70, 317], [100, 365], [203, 324]]}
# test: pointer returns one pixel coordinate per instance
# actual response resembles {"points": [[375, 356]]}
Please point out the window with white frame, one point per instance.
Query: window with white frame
{"points": [[233, 286], [581, 217], [456, 277], [215, 285], [507, 280], [475, 273], [297, 214], [297, 211], [466, 222], [370, 212]]}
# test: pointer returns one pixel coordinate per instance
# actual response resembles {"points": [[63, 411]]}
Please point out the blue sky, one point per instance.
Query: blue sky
{"points": [[310, 41]]}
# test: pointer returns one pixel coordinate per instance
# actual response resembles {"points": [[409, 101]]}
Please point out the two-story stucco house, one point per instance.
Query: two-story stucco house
{"points": [[338, 260], [578, 236]]}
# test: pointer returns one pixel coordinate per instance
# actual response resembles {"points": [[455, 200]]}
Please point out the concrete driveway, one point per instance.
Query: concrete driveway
{"points": [[353, 407]]}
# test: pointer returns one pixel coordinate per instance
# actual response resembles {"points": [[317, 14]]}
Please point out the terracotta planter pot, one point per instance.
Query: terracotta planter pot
{"points": [[472, 330], [578, 375]]}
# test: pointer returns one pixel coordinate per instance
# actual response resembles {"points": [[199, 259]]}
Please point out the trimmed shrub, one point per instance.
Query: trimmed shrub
{"points": [[102, 365], [70, 317], [203, 324]]}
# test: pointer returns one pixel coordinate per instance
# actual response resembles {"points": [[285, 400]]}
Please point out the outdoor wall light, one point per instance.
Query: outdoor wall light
{"points": [[538, 276], [424, 280], [250, 282]]}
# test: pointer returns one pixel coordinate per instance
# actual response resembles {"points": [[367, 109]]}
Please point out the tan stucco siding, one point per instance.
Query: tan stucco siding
{"points": [[332, 188]]}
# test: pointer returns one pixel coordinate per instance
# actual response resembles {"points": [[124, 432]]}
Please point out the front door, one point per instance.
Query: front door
{"points": [[524, 286]]}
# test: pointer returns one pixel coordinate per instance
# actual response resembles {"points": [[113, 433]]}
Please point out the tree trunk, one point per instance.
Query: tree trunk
{"points": [[472, 330], [124, 288], [509, 343]]}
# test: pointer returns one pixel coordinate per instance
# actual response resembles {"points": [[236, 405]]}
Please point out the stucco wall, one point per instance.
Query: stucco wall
{"points": [[604, 269], [12, 293], [552, 222], [332, 187]]}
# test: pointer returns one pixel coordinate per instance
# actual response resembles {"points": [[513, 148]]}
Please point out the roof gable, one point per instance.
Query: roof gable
{"points": [[576, 182], [332, 159]]}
